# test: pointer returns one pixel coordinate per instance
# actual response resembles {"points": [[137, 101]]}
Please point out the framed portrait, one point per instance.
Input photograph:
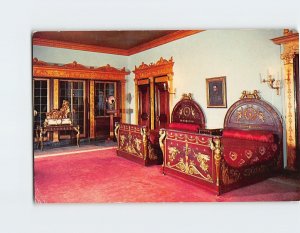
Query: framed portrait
{"points": [[216, 92]]}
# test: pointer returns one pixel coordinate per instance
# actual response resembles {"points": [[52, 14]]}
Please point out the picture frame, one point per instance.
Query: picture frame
{"points": [[216, 92]]}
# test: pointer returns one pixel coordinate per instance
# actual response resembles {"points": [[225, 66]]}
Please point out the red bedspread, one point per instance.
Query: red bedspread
{"points": [[184, 127], [245, 148]]}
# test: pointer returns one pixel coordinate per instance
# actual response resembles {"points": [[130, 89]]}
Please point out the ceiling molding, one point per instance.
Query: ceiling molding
{"points": [[98, 49], [163, 40], [77, 46]]}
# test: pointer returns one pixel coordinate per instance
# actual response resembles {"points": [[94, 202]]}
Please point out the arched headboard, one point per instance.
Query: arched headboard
{"points": [[252, 113], [188, 111]]}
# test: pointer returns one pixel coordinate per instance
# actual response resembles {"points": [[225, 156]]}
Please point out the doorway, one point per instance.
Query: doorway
{"points": [[153, 113], [161, 108]]}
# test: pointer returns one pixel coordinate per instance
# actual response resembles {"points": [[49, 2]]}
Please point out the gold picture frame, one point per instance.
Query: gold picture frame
{"points": [[216, 92]]}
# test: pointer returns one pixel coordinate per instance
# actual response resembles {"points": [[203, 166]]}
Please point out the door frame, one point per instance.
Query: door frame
{"points": [[152, 71]]}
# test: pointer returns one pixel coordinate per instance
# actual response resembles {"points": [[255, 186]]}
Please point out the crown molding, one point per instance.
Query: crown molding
{"points": [[163, 40], [77, 46], [98, 49]]}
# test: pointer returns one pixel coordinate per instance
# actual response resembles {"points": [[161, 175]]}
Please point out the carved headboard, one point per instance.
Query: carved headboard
{"points": [[252, 113], [188, 111]]}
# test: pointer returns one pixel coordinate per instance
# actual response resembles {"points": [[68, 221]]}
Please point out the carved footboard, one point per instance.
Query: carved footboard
{"points": [[199, 158], [191, 156], [134, 144]]}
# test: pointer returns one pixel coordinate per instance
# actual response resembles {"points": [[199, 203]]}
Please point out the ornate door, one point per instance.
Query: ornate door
{"points": [[144, 105], [161, 105]]}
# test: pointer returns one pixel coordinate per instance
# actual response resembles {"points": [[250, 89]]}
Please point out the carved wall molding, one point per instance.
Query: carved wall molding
{"points": [[161, 67], [75, 70]]}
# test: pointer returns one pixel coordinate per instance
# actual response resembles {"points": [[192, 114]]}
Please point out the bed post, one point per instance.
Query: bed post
{"points": [[117, 127], [162, 136], [216, 148], [144, 133]]}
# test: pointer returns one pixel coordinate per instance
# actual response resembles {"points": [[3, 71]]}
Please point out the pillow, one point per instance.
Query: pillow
{"points": [[184, 127], [252, 135]]}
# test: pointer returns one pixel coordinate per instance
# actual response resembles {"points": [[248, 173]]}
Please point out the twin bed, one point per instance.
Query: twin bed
{"points": [[248, 148]]}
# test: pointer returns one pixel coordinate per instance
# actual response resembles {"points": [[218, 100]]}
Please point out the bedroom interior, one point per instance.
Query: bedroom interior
{"points": [[166, 116]]}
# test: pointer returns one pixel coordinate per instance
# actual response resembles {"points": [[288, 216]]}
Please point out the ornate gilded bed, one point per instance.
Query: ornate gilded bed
{"points": [[140, 144], [248, 150], [133, 144]]}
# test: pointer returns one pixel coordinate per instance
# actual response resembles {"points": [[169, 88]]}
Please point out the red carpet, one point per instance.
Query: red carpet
{"points": [[101, 176]]}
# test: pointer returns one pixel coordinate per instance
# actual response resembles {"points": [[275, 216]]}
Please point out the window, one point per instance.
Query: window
{"points": [[102, 91], [40, 101], [73, 91]]}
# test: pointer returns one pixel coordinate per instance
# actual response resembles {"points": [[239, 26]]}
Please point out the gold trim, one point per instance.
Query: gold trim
{"points": [[250, 95], [188, 167], [117, 127], [92, 109], [123, 99], [145, 141], [162, 139], [136, 102], [290, 42], [152, 102], [290, 117], [55, 94], [216, 148], [187, 96], [55, 105], [179, 138], [171, 88]]}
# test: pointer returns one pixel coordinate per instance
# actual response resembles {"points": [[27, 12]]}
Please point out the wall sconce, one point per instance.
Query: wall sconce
{"points": [[272, 83]]}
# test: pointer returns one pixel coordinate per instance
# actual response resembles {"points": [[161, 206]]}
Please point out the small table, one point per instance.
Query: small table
{"points": [[43, 130]]}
